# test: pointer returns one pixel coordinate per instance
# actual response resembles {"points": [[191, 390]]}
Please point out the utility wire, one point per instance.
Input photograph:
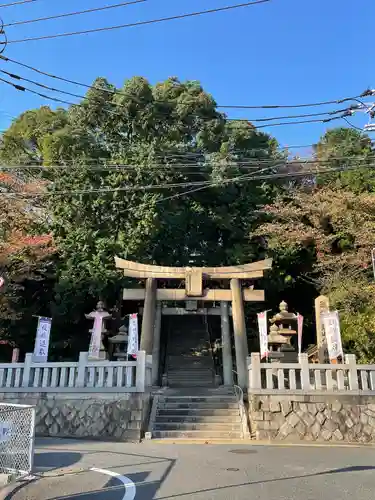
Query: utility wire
{"points": [[19, 2], [55, 99], [271, 163], [25, 89], [186, 184], [47, 87], [142, 23], [221, 106], [68, 14]]}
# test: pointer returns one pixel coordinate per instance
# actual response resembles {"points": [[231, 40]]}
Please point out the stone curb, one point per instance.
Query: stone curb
{"points": [[252, 443], [12, 482]]}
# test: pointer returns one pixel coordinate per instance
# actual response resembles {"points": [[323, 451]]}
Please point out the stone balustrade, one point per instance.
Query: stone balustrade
{"points": [[306, 378], [82, 376]]}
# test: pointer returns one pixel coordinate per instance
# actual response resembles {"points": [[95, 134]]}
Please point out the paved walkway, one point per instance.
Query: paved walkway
{"points": [[77, 470]]}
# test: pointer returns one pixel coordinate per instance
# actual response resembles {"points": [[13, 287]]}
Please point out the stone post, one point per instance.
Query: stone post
{"points": [[26, 369], [255, 375], [352, 373], [140, 374], [82, 365], [321, 306], [156, 346], [239, 328], [226, 344], [148, 319], [305, 371]]}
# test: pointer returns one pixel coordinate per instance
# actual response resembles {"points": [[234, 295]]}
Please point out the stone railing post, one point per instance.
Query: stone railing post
{"points": [[305, 371], [255, 379], [140, 372], [352, 372], [82, 363], [26, 369]]}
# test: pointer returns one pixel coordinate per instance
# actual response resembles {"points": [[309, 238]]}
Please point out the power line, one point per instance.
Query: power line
{"points": [[269, 162], [25, 89], [299, 122], [47, 87], [142, 23], [55, 99], [19, 2], [76, 13], [185, 184], [220, 106]]}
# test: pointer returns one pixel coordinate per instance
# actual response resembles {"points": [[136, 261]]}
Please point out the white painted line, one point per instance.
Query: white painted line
{"points": [[130, 489]]}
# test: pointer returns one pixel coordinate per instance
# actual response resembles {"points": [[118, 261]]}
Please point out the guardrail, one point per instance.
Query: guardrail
{"points": [[348, 377], [85, 375]]}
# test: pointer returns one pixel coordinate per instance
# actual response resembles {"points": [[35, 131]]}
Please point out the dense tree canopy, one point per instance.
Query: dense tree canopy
{"points": [[156, 173]]}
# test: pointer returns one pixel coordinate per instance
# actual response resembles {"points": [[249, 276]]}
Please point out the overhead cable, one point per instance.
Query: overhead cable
{"points": [[272, 162], [76, 13], [183, 184], [221, 106], [18, 2], [55, 99], [142, 23], [47, 87]]}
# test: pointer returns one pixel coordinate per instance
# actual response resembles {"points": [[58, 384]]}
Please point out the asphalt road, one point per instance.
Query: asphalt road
{"points": [[63, 470]]}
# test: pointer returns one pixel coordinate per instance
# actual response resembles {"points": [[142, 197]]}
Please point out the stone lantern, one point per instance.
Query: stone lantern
{"points": [[99, 315], [118, 345], [275, 343], [283, 329]]}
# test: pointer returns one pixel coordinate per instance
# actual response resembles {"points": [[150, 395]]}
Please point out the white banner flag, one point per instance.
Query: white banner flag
{"points": [[133, 336], [331, 324], [96, 338], [263, 333], [299, 326], [42, 340]]}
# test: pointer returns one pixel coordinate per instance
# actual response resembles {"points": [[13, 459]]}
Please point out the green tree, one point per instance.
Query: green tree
{"points": [[353, 152], [22, 143], [162, 135]]}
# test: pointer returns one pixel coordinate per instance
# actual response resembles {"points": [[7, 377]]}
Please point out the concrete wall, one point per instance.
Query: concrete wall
{"points": [[115, 416], [313, 418]]}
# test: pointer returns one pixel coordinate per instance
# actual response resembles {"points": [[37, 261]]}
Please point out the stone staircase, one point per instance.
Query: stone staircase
{"points": [[208, 414], [189, 361]]}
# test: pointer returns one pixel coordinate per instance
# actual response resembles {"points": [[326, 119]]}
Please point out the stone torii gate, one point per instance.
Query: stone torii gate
{"points": [[193, 277]]}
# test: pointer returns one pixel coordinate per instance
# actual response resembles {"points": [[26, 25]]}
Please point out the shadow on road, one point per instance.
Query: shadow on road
{"points": [[50, 460], [354, 468]]}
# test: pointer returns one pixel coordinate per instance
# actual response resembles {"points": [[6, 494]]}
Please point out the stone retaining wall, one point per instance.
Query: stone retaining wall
{"points": [[115, 416], [313, 418]]}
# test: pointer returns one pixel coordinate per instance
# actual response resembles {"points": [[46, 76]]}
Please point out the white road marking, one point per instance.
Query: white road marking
{"points": [[130, 489]]}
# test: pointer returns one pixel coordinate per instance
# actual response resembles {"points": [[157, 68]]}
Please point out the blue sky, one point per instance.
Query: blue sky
{"points": [[286, 51]]}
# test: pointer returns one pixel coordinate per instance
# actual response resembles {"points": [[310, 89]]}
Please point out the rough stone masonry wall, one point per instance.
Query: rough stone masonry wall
{"points": [[313, 418], [115, 416]]}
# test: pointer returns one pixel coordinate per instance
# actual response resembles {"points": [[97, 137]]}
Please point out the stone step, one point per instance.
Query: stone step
{"points": [[190, 371], [212, 399], [194, 379], [192, 426], [196, 405], [211, 419], [197, 413], [197, 435], [190, 366], [189, 383], [217, 391]]}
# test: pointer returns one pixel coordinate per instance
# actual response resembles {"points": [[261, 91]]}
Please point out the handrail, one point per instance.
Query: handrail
{"points": [[243, 415], [239, 392]]}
